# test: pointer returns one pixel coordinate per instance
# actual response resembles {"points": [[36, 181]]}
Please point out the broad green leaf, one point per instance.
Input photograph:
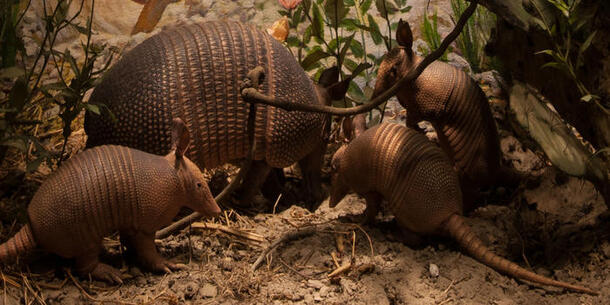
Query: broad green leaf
{"points": [[405, 9], [375, 32], [306, 5], [356, 93], [555, 65], [385, 7], [349, 24], [357, 49], [93, 108], [317, 28], [312, 58], [350, 64], [335, 11], [361, 67], [346, 45], [365, 5], [307, 35], [293, 41], [585, 45]]}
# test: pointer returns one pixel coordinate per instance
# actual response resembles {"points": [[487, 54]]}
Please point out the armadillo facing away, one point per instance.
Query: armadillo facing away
{"points": [[417, 180], [194, 72], [457, 108], [107, 189]]}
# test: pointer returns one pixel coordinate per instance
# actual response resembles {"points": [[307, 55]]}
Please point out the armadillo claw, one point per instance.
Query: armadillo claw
{"points": [[107, 273], [166, 266]]}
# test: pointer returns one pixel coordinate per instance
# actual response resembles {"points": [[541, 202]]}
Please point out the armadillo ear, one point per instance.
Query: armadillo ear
{"points": [[338, 90], [180, 137], [404, 36], [329, 77]]}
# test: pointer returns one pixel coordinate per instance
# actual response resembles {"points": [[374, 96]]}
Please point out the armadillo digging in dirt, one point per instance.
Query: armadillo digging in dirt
{"points": [[107, 189], [416, 178]]}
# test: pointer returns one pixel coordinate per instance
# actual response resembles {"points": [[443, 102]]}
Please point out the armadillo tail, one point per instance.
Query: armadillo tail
{"points": [[462, 233], [20, 244]]}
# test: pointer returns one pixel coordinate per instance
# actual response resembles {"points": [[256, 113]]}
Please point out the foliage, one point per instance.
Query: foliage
{"points": [[571, 35], [431, 36], [29, 90], [323, 30], [475, 36]]}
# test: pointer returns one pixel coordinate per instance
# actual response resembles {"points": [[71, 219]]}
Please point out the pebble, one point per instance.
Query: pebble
{"points": [[315, 284], [434, 272]]}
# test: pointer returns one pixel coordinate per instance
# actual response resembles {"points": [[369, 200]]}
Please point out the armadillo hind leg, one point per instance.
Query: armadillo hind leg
{"points": [[256, 175], [143, 245], [89, 264], [311, 167]]}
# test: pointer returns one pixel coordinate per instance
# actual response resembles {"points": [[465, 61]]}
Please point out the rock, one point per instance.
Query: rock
{"points": [[208, 291], [434, 271], [317, 297], [315, 284], [324, 291]]}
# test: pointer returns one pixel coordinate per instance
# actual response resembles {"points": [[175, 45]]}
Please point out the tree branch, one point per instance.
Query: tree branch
{"points": [[251, 95]]}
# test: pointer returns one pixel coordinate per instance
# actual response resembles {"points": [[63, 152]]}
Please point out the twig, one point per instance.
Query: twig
{"points": [[333, 254], [292, 235], [276, 202], [251, 95], [88, 296], [292, 269], [228, 230], [341, 269]]}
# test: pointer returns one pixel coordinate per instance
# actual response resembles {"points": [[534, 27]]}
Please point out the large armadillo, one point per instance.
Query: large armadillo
{"points": [[107, 189], [457, 108], [415, 176], [194, 72]]}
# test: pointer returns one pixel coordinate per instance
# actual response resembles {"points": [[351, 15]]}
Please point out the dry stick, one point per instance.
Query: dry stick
{"points": [[236, 232], [251, 95], [253, 79], [292, 235]]}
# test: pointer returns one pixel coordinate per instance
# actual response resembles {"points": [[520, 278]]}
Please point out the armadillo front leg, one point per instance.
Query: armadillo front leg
{"points": [[373, 203], [311, 167], [146, 252], [89, 264]]}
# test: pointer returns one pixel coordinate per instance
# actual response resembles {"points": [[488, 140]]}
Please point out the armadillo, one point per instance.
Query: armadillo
{"points": [[421, 188], [112, 188], [194, 72], [458, 110]]}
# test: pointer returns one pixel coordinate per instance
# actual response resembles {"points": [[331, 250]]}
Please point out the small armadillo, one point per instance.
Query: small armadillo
{"points": [[194, 72], [457, 108], [107, 189], [416, 178]]}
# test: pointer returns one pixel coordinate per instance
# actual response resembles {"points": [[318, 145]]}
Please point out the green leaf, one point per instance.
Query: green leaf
{"points": [[375, 32], [365, 5], [335, 11], [350, 64], [70, 59], [296, 17], [356, 93], [306, 5], [585, 45], [346, 45], [349, 24], [93, 108], [547, 52], [361, 67], [555, 65], [293, 41], [385, 7], [312, 58], [317, 28], [405, 9], [357, 49], [307, 35]]}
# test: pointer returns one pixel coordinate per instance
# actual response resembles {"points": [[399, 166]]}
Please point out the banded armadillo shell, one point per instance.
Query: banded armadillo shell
{"points": [[408, 170], [194, 72], [460, 113], [97, 192]]}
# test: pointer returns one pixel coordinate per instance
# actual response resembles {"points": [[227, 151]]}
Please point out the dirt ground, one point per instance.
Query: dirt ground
{"points": [[550, 226]]}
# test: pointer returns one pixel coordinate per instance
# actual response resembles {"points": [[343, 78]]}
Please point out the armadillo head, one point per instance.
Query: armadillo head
{"points": [[397, 62], [194, 190], [338, 187]]}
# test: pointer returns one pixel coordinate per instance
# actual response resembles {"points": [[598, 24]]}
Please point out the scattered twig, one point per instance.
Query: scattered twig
{"points": [[333, 254], [292, 269], [88, 296], [276, 202], [229, 230], [292, 235], [341, 269], [252, 95]]}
